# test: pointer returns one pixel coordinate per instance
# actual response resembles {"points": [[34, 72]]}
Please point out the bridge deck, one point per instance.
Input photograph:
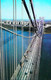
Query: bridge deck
{"points": [[30, 64]]}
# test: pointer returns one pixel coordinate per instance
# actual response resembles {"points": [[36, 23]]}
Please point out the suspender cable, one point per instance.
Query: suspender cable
{"points": [[0, 13], [13, 36], [2, 54], [6, 56], [1, 40], [13, 10], [9, 57], [14, 41], [16, 28], [22, 28]]}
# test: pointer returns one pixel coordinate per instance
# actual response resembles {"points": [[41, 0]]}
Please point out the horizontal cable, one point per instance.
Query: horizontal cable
{"points": [[16, 33]]}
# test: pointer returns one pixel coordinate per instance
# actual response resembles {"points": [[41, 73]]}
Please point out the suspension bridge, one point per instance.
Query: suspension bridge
{"points": [[27, 68]]}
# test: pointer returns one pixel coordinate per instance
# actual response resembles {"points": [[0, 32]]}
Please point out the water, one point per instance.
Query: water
{"points": [[45, 64], [9, 52]]}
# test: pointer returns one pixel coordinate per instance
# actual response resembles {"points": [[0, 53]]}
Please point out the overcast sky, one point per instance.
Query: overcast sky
{"points": [[42, 9]]}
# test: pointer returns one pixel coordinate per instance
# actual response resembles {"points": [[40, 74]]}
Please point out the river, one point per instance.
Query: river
{"points": [[10, 45], [45, 63]]}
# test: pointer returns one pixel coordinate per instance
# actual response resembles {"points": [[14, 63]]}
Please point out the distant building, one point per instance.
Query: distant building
{"points": [[9, 22], [6, 22]]}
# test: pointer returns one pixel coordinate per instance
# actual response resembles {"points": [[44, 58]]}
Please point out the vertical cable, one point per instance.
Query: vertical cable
{"points": [[14, 50], [6, 57], [1, 44], [13, 10], [2, 54], [1, 39], [16, 29], [9, 57], [13, 42], [29, 27], [13, 34], [22, 32], [13, 25], [22, 28]]}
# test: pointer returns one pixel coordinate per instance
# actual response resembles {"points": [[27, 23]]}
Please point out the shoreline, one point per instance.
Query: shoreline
{"points": [[25, 28], [47, 30]]}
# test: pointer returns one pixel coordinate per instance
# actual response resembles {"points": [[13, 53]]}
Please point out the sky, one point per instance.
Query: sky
{"points": [[42, 8]]}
